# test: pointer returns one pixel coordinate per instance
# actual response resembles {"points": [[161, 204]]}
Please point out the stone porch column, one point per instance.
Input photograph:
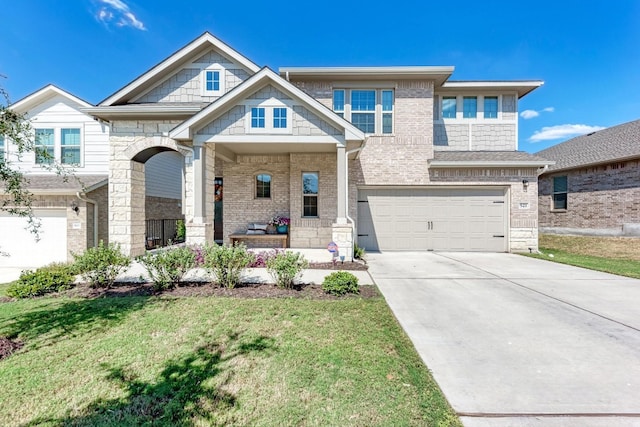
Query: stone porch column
{"points": [[200, 225], [127, 206], [342, 231]]}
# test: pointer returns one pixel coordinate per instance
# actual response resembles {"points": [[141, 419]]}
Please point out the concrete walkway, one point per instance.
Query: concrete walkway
{"points": [[515, 341]]}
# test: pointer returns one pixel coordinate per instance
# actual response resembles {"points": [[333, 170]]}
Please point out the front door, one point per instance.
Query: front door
{"points": [[217, 210]]}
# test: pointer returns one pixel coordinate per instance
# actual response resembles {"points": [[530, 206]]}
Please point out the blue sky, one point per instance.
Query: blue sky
{"points": [[587, 52]]}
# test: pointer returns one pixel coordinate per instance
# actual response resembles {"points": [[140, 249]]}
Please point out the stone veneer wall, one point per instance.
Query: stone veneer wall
{"points": [[601, 201]]}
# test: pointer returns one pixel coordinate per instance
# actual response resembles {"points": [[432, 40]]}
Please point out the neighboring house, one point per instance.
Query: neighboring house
{"points": [[594, 186], [391, 158], [73, 209]]}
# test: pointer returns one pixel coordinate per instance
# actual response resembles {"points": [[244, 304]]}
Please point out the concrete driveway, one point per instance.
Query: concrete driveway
{"points": [[515, 341]]}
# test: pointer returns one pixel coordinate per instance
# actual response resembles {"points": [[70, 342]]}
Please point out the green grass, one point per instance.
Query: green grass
{"points": [[3, 289], [618, 255], [213, 361]]}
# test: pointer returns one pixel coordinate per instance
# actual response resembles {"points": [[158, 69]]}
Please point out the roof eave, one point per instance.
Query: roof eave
{"points": [[522, 87], [478, 164], [41, 95], [592, 164], [438, 73]]}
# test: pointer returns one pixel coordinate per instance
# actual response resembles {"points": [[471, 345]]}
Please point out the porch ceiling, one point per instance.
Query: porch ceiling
{"points": [[276, 148]]}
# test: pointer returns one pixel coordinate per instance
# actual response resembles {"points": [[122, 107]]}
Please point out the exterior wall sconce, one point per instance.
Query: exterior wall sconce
{"points": [[525, 184], [74, 207]]}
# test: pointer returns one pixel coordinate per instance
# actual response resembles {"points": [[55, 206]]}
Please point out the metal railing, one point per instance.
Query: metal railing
{"points": [[159, 232]]}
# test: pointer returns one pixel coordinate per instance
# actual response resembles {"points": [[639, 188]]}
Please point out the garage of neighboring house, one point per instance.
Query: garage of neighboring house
{"points": [[21, 248], [423, 219]]}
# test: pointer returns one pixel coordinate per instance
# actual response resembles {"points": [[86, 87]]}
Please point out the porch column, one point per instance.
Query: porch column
{"points": [[200, 228], [342, 231]]}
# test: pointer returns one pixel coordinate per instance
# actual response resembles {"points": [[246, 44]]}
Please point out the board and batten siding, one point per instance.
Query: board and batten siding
{"points": [[60, 112]]}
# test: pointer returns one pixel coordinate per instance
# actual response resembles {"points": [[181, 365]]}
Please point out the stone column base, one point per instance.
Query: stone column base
{"points": [[342, 235], [199, 234]]}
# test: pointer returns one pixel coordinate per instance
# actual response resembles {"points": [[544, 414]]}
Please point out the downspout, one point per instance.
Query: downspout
{"points": [[346, 166], [80, 195], [543, 170]]}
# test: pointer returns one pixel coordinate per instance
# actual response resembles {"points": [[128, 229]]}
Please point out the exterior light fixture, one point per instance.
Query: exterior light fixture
{"points": [[525, 184], [74, 207]]}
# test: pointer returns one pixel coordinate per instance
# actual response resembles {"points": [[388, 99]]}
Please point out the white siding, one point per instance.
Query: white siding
{"points": [[163, 175], [60, 112]]}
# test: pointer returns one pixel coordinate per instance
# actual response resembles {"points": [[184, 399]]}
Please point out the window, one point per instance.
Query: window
{"points": [[212, 81], [257, 117], [70, 147], [560, 192], [363, 110], [387, 111], [263, 186], [309, 194], [338, 102], [279, 118], [469, 107], [449, 107], [490, 107], [45, 146]]}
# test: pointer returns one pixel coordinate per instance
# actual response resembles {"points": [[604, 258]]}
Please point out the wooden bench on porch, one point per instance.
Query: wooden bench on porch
{"points": [[283, 238]]}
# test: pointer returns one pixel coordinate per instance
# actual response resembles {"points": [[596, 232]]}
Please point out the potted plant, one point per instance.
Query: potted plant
{"points": [[281, 223]]}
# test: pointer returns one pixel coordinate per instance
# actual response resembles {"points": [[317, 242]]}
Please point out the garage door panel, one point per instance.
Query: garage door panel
{"points": [[432, 219]]}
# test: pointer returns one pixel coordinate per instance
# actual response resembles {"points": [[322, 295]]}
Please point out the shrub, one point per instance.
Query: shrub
{"points": [[167, 268], [340, 283], [262, 257], [51, 278], [285, 267], [227, 262], [358, 252], [181, 230], [101, 265]]}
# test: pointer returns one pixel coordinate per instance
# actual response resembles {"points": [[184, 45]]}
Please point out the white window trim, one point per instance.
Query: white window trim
{"points": [[203, 80], [268, 105], [57, 143], [479, 109], [378, 89]]}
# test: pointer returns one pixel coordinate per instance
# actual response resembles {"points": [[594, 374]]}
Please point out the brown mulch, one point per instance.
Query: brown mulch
{"points": [[8, 347], [356, 265], [204, 289]]}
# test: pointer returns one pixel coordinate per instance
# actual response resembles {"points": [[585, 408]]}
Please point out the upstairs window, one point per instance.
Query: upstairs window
{"points": [[70, 147], [469, 107], [257, 117], [45, 146], [263, 186], [338, 102], [363, 110], [490, 107], [387, 111], [449, 109], [212, 82], [279, 118], [560, 192], [310, 194]]}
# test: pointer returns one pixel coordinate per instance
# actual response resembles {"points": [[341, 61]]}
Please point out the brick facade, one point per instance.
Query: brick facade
{"points": [[601, 200]]}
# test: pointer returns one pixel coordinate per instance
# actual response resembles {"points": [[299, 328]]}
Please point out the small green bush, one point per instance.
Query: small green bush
{"points": [[181, 230], [51, 278], [227, 262], [340, 283], [167, 268], [358, 252], [101, 265], [285, 267]]}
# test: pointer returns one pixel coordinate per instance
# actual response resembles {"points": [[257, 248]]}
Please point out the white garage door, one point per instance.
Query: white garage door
{"points": [[446, 219], [21, 246]]}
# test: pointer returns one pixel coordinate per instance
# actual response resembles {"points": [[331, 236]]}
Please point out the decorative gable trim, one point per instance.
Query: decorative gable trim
{"points": [[41, 95], [174, 62], [187, 129]]}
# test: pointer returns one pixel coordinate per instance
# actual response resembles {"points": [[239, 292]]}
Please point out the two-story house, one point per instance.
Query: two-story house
{"points": [[390, 158], [72, 204]]}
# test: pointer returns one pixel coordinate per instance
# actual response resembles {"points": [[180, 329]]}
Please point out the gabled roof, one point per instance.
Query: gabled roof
{"points": [[191, 51], [185, 130], [617, 143], [43, 94], [453, 159]]}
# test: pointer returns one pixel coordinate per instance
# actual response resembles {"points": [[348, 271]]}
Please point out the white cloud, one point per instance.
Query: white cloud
{"points": [[530, 114], [118, 12], [562, 132]]}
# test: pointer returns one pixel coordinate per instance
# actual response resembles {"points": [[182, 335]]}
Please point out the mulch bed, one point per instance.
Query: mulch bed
{"points": [[8, 347], [204, 289], [361, 266]]}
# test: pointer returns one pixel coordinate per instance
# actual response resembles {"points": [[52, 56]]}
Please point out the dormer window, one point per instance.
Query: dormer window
{"points": [[269, 116], [212, 82], [257, 118], [280, 118]]}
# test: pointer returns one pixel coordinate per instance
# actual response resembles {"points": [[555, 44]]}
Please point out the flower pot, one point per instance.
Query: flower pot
{"points": [[282, 229]]}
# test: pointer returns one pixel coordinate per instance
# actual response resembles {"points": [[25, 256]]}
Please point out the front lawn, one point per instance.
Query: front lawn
{"points": [[213, 361], [617, 255]]}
